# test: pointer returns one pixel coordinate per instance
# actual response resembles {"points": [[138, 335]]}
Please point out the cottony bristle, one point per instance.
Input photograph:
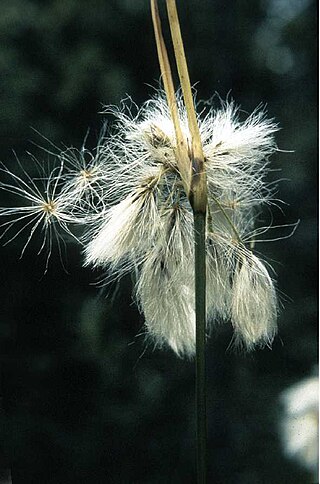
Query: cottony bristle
{"points": [[165, 284], [167, 302], [254, 303], [127, 230]]}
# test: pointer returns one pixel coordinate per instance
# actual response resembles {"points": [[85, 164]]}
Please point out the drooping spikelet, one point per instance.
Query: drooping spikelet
{"points": [[254, 303], [147, 223], [165, 288]]}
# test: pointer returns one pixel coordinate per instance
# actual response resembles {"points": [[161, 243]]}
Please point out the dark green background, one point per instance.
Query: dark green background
{"points": [[82, 401]]}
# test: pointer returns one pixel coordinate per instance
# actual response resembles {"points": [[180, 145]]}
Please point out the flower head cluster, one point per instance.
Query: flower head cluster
{"points": [[130, 193], [148, 225]]}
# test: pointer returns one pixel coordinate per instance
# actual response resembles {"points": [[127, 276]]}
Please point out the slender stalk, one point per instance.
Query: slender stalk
{"points": [[182, 155], [200, 296], [191, 164], [198, 200], [198, 188], [184, 77]]}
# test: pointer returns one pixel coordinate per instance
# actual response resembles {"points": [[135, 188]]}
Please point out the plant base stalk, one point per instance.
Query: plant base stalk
{"points": [[200, 303]]}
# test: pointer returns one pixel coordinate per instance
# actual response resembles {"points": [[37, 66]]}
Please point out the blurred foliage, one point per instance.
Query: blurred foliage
{"points": [[83, 400]]}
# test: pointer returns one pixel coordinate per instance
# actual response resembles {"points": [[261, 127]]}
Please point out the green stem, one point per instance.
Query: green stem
{"points": [[200, 296]]}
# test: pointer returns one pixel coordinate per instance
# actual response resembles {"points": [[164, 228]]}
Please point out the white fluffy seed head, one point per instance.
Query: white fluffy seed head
{"points": [[129, 192], [153, 230]]}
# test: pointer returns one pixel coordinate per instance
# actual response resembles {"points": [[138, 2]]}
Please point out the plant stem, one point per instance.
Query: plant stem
{"points": [[182, 156], [191, 165], [200, 296]]}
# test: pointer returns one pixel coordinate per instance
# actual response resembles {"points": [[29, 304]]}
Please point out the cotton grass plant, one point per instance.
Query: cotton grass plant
{"points": [[173, 196]]}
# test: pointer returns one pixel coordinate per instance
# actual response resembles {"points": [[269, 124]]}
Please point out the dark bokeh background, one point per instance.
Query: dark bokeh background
{"points": [[82, 401]]}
